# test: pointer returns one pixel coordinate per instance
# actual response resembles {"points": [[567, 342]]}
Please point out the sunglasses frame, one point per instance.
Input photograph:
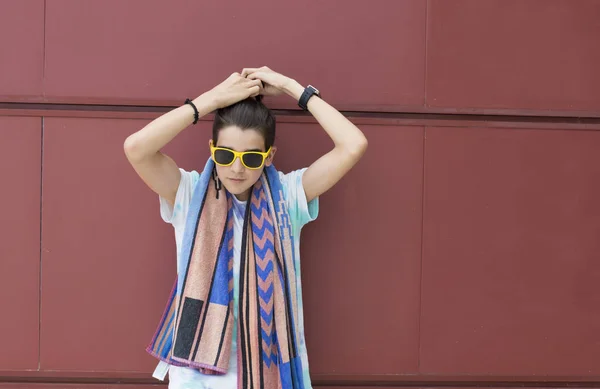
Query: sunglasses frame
{"points": [[239, 154]]}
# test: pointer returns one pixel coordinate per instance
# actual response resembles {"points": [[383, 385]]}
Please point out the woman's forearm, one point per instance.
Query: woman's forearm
{"points": [[157, 134], [344, 134]]}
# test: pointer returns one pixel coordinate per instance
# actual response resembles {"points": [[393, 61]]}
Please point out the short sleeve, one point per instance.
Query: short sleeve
{"points": [[176, 215], [301, 212]]}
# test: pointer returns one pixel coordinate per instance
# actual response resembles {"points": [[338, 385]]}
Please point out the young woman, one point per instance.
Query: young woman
{"points": [[234, 318]]}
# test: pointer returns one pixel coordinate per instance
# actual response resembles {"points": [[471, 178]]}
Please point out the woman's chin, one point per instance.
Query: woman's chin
{"points": [[240, 189]]}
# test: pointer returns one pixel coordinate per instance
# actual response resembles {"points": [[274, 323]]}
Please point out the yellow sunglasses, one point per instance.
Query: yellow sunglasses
{"points": [[250, 159]]}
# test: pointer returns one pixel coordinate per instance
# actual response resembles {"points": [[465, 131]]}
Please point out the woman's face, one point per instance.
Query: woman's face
{"points": [[236, 178]]}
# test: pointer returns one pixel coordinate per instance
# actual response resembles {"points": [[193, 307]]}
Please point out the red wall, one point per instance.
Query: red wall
{"points": [[461, 251]]}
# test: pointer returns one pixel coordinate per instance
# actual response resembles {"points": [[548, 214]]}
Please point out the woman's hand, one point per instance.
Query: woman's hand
{"points": [[235, 88], [274, 83], [349, 142]]}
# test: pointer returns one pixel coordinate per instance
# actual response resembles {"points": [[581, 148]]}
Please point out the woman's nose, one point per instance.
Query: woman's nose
{"points": [[237, 166]]}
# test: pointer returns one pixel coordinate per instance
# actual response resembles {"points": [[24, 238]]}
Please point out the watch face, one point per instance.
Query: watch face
{"points": [[313, 88]]}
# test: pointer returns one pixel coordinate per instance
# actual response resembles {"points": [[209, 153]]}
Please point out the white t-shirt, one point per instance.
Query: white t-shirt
{"points": [[300, 212]]}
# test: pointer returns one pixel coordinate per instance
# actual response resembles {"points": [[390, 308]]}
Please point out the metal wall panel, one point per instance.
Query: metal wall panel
{"points": [[106, 255], [510, 270], [361, 258], [111, 234], [22, 48], [363, 56], [485, 55], [20, 169]]}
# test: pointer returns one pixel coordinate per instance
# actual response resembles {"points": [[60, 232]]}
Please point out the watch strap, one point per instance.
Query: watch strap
{"points": [[309, 92]]}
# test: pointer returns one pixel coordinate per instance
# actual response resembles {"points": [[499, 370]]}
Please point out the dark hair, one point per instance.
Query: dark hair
{"points": [[248, 114]]}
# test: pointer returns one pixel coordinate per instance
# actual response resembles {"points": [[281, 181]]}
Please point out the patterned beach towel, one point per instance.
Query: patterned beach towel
{"points": [[197, 326]]}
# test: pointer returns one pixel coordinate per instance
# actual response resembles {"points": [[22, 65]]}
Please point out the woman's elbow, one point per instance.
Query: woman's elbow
{"points": [[358, 149], [131, 149]]}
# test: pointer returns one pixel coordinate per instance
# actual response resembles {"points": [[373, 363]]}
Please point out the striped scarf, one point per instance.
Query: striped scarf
{"points": [[196, 328]]}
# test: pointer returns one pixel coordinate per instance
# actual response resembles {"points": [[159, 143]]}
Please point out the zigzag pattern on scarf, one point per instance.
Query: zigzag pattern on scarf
{"points": [[230, 242], [269, 231], [264, 250]]}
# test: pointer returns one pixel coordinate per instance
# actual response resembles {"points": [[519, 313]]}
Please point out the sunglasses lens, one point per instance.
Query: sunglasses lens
{"points": [[252, 160], [223, 157]]}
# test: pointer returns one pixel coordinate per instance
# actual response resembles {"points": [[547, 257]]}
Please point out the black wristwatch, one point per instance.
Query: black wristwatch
{"points": [[309, 91]]}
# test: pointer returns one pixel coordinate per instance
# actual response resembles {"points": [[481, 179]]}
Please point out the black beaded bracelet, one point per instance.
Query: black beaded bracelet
{"points": [[196, 113]]}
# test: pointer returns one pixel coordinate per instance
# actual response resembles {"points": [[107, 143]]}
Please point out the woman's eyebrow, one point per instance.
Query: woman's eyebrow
{"points": [[231, 148]]}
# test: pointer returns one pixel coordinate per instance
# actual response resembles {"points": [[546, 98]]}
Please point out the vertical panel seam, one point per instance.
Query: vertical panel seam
{"points": [[41, 245], [425, 103], [42, 195]]}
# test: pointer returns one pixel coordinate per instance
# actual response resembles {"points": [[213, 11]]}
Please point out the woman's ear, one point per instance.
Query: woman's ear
{"points": [[269, 160]]}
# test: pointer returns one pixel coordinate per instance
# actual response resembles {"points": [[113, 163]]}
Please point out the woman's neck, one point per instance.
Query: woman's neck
{"points": [[243, 196]]}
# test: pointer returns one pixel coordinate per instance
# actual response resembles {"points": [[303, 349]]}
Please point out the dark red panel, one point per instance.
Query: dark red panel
{"points": [[510, 261], [109, 259], [22, 48], [112, 234], [154, 52], [515, 55], [20, 167], [361, 258]]}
